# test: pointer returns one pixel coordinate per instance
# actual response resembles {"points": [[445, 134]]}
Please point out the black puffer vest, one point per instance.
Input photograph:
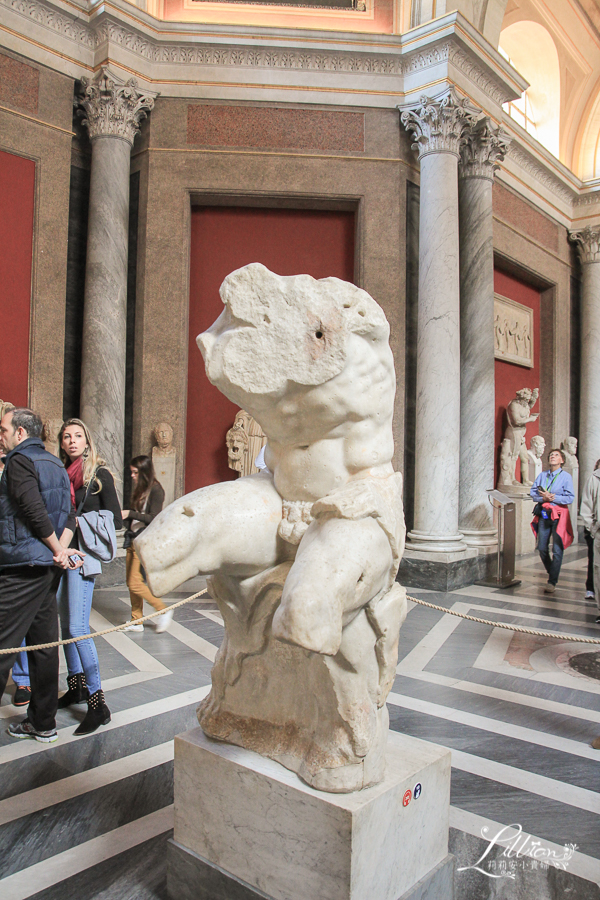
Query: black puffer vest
{"points": [[18, 545]]}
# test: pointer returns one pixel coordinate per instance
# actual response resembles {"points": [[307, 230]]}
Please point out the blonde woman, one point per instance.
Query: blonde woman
{"points": [[92, 489]]}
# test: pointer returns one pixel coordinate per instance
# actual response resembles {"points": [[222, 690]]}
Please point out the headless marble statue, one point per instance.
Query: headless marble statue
{"points": [[303, 558]]}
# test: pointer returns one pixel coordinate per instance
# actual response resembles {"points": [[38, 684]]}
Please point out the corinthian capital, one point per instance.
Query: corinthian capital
{"points": [[483, 147], [438, 124], [588, 243], [114, 107]]}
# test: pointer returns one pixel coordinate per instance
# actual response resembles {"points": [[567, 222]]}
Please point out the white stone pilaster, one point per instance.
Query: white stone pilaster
{"points": [[438, 125], [588, 245], [113, 111], [483, 147]]}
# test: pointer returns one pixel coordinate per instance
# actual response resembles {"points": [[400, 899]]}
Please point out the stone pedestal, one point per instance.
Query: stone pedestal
{"points": [[246, 827], [164, 467], [524, 536]]}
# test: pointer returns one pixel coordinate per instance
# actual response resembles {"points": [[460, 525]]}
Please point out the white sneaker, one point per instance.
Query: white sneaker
{"points": [[589, 595], [134, 627], [163, 622]]}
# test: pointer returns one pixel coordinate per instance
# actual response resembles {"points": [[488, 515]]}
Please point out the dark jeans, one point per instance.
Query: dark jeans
{"points": [[28, 610], [547, 527], [589, 581]]}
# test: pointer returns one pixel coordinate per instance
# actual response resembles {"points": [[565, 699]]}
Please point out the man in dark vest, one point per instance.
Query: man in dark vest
{"points": [[35, 507]]}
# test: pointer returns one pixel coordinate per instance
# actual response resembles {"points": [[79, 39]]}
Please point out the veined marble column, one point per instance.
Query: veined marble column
{"points": [[588, 241], [113, 111], [438, 126], [483, 148]]}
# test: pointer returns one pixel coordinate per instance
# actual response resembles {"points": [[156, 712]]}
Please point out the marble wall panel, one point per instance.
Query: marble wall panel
{"points": [[19, 84], [214, 125], [45, 137]]}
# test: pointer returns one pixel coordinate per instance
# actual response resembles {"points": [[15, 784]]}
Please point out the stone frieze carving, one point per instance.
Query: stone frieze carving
{"points": [[588, 243], [483, 149], [113, 107], [438, 123]]}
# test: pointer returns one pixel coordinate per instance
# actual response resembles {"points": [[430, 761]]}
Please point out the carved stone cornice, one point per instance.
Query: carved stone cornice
{"points": [[92, 31], [588, 243], [113, 107], [438, 123], [541, 174], [483, 148]]}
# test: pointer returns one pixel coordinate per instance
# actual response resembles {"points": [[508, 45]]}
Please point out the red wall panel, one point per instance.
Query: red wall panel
{"points": [[287, 241], [510, 377], [17, 195]]}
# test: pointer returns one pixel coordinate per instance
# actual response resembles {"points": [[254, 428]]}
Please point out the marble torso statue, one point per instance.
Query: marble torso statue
{"points": [[303, 557]]}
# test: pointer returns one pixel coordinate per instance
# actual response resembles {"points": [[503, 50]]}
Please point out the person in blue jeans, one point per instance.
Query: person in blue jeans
{"points": [[554, 489], [92, 489], [20, 676]]}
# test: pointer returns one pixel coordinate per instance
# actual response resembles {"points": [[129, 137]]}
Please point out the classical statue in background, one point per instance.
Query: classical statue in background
{"points": [[537, 446], [163, 435], [303, 557], [164, 459], [514, 447], [50, 433], [569, 448], [5, 406], [245, 439]]}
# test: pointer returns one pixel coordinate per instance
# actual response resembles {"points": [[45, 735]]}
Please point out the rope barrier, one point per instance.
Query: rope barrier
{"points": [[85, 637], [451, 612], [519, 628]]}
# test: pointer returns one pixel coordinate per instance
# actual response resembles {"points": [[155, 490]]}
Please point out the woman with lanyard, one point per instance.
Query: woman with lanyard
{"points": [[92, 489], [553, 491]]}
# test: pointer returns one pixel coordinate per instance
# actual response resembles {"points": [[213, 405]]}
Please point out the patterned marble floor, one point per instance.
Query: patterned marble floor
{"points": [[90, 817]]}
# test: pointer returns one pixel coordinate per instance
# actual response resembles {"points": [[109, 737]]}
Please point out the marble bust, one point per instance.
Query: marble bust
{"points": [[164, 458], [536, 451], [514, 447], [163, 435], [302, 558], [569, 448], [50, 434]]}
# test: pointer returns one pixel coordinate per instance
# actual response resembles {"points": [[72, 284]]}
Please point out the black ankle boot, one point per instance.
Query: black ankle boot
{"points": [[97, 714], [77, 693]]}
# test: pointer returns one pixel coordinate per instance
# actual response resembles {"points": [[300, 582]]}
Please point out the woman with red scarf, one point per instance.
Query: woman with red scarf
{"points": [[92, 489]]}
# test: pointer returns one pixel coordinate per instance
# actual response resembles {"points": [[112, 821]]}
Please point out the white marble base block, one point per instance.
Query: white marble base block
{"points": [[254, 819]]}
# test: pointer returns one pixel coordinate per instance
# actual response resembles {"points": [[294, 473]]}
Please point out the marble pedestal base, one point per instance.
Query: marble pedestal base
{"points": [[246, 828], [445, 571], [524, 536]]}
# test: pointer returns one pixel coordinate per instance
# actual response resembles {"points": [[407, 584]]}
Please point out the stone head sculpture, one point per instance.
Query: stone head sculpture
{"points": [[163, 435], [237, 444], [538, 445], [303, 558]]}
